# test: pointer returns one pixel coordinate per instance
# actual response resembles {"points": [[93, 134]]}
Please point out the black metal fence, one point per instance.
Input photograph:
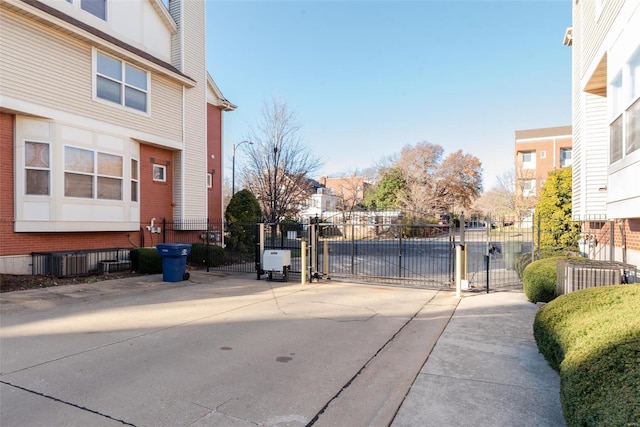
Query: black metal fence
{"points": [[207, 236]]}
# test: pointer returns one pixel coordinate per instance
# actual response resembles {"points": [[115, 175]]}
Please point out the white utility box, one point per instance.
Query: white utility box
{"points": [[277, 260]]}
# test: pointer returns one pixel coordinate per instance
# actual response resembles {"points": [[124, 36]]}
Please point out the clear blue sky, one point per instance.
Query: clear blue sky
{"points": [[366, 78]]}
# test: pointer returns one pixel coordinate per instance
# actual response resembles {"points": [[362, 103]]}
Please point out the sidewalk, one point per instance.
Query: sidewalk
{"points": [[485, 370]]}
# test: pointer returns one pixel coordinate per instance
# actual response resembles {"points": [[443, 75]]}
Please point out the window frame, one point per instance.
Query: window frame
{"points": [[624, 123], [135, 180], [531, 190], [27, 168], [97, 176], [531, 163], [125, 85], [91, 9], [163, 168]]}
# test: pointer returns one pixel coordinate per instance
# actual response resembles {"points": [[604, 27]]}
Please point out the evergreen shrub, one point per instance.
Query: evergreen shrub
{"points": [[592, 337], [146, 261]]}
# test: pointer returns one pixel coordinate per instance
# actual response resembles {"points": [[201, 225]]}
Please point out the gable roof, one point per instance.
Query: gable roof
{"points": [[215, 96]]}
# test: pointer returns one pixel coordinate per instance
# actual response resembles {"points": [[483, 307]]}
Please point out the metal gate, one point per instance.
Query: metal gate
{"points": [[407, 254]]}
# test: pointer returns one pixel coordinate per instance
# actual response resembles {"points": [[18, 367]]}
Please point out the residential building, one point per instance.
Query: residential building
{"points": [[606, 126], [321, 201], [538, 152], [108, 122], [349, 191]]}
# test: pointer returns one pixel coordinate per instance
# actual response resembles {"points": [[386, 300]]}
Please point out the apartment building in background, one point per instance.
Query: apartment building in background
{"points": [[538, 152], [605, 50], [109, 121]]}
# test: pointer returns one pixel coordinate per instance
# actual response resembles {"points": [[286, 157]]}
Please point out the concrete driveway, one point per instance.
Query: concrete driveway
{"points": [[224, 350]]}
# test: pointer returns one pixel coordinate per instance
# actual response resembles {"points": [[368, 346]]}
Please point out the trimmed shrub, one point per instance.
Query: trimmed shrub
{"points": [[524, 260], [539, 280], [592, 337], [146, 261], [198, 256]]}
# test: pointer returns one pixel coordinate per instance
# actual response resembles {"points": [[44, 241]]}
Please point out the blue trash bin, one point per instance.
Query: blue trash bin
{"points": [[174, 261]]}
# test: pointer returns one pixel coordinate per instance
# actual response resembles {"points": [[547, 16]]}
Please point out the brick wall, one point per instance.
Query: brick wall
{"points": [[156, 197], [155, 201]]}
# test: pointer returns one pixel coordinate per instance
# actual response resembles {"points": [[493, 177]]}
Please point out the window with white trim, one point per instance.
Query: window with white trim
{"points": [[528, 187], [121, 83], [624, 128], [565, 157], [528, 160], [134, 180], [209, 180], [89, 174], [159, 173], [543, 154], [37, 166]]}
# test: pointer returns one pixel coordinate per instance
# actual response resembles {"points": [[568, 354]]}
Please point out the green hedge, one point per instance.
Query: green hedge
{"points": [[198, 255], [592, 337], [525, 259], [539, 280], [146, 261]]}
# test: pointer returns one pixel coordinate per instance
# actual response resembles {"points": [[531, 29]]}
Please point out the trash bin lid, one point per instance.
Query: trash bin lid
{"points": [[174, 249]]}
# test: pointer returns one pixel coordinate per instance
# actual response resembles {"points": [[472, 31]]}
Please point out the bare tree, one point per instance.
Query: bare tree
{"points": [[279, 164], [435, 185], [512, 195]]}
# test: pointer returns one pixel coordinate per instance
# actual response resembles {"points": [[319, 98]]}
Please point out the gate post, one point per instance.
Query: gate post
{"points": [[458, 271], [303, 259], [259, 248]]}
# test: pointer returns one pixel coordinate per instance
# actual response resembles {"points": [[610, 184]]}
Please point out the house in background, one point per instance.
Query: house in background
{"points": [[350, 191], [606, 127], [108, 122]]}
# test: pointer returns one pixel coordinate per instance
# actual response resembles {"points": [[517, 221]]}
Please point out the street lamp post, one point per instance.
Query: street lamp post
{"points": [[233, 166]]}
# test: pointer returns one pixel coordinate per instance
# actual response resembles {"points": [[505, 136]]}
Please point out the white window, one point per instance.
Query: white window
{"points": [[159, 173], [95, 7], [543, 154], [134, 180], [121, 83], [528, 187], [37, 168], [633, 127], [86, 170], [565, 157], [624, 129], [209, 180], [528, 160]]}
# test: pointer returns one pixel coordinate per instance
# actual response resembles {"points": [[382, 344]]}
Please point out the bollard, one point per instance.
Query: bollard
{"points": [[325, 260], [458, 271], [303, 269]]}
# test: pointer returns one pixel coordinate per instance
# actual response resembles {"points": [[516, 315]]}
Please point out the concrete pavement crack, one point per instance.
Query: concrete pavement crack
{"points": [[363, 367], [55, 399]]}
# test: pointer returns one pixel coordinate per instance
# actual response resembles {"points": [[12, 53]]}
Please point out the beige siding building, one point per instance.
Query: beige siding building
{"points": [[104, 113]]}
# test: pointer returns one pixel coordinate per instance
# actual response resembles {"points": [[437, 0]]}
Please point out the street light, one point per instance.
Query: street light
{"points": [[233, 166]]}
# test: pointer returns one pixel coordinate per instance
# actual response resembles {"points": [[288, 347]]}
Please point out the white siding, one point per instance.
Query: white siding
{"points": [[194, 160], [596, 152], [595, 30], [65, 83]]}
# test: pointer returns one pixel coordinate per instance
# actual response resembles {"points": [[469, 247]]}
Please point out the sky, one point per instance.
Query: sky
{"points": [[366, 78]]}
